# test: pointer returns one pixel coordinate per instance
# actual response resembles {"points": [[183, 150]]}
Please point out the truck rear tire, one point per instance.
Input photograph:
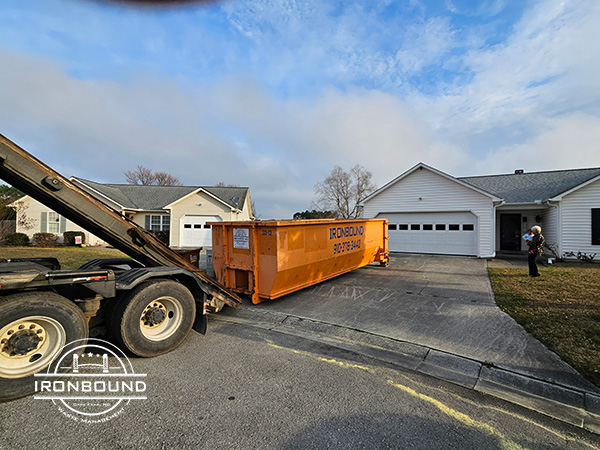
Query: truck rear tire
{"points": [[34, 328], [154, 318]]}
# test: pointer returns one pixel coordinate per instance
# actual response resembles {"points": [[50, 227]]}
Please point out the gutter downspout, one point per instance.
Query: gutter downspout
{"points": [[494, 221], [556, 204]]}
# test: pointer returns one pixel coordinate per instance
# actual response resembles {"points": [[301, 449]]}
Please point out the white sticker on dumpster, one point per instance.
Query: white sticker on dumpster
{"points": [[241, 238]]}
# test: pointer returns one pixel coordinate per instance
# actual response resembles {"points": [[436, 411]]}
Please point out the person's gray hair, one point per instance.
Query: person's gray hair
{"points": [[536, 229]]}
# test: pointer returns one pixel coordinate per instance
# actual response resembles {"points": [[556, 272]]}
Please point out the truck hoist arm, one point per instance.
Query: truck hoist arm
{"points": [[33, 177]]}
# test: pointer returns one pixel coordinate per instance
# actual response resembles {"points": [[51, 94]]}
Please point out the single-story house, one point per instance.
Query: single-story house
{"points": [[182, 211], [430, 211]]}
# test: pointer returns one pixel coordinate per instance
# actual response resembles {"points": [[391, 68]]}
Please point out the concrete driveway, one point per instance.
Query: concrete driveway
{"points": [[446, 305]]}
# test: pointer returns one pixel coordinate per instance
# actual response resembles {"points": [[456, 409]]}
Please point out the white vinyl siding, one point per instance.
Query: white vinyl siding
{"points": [[576, 219], [424, 191], [197, 205], [551, 228], [37, 215]]}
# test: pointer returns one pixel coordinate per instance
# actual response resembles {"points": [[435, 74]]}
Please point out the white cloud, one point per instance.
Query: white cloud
{"points": [[548, 66], [239, 134], [526, 93], [569, 142], [535, 94]]}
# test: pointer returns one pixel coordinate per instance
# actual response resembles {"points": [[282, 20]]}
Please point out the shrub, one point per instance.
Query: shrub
{"points": [[69, 237], [17, 239], [45, 240]]}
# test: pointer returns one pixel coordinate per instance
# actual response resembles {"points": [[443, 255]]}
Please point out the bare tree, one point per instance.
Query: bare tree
{"points": [[166, 179], [143, 176], [23, 220], [342, 192]]}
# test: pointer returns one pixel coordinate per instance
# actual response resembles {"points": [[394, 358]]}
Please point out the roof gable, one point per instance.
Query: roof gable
{"points": [[422, 166], [532, 187], [156, 198]]}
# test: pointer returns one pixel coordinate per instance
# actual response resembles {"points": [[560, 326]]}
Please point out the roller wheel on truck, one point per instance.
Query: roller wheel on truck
{"points": [[154, 318], [34, 328]]}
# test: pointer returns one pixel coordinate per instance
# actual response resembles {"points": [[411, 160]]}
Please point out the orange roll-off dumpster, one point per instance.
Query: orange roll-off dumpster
{"points": [[268, 259]]}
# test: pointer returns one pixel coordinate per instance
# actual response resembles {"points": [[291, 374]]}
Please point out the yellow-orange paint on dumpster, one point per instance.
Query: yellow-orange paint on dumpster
{"points": [[268, 259]]}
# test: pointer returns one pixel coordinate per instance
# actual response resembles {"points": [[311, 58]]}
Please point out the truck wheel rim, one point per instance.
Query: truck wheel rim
{"points": [[29, 344], [161, 318]]}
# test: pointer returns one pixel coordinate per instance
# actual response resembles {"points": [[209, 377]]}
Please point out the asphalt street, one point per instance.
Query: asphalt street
{"points": [[242, 387]]}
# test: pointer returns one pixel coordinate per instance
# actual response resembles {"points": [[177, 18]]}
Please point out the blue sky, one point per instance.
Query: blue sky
{"points": [[271, 94]]}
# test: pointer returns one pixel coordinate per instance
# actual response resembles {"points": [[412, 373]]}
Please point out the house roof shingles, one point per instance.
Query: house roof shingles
{"points": [[533, 186], [155, 198]]}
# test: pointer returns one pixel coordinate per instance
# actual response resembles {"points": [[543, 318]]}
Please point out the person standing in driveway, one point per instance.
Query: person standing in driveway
{"points": [[535, 250]]}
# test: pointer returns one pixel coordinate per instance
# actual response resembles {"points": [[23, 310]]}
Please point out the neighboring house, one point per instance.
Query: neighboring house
{"points": [[183, 211], [432, 212]]}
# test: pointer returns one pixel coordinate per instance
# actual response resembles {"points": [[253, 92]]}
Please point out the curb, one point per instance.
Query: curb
{"points": [[576, 407]]}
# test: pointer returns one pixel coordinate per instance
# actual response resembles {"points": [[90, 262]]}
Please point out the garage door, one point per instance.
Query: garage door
{"points": [[195, 232], [448, 233]]}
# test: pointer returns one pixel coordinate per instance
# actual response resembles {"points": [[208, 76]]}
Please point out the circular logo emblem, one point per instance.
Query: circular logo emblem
{"points": [[91, 381]]}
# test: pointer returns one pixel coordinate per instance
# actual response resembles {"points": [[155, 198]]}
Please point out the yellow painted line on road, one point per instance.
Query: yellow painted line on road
{"points": [[320, 358], [517, 416], [505, 442], [461, 417]]}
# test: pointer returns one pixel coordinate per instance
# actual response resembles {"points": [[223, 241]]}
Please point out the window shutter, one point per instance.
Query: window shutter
{"points": [[63, 224], [147, 224], [595, 226], [44, 222]]}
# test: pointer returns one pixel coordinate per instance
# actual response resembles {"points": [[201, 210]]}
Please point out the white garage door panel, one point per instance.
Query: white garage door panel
{"points": [[449, 233], [195, 232]]}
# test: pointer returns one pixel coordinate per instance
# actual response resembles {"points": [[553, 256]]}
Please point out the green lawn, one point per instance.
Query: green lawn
{"points": [[69, 257], [561, 309]]}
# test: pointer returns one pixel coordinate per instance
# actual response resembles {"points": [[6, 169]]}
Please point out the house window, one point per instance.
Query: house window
{"points": [[595, 226], [53, 224], [158, 222]]}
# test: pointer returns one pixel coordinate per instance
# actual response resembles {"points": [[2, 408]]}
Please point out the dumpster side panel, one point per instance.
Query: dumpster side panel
{"points": [[329, 250], [269, 259]]}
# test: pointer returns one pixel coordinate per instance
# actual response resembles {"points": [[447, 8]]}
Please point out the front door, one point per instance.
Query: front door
{"points": [[510, 232]]}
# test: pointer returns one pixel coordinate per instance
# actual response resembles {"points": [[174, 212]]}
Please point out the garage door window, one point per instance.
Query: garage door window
{"points": [[427, 227], [440, 227], [392, 227], [468, 227], [454, 227], [403, 226]]}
